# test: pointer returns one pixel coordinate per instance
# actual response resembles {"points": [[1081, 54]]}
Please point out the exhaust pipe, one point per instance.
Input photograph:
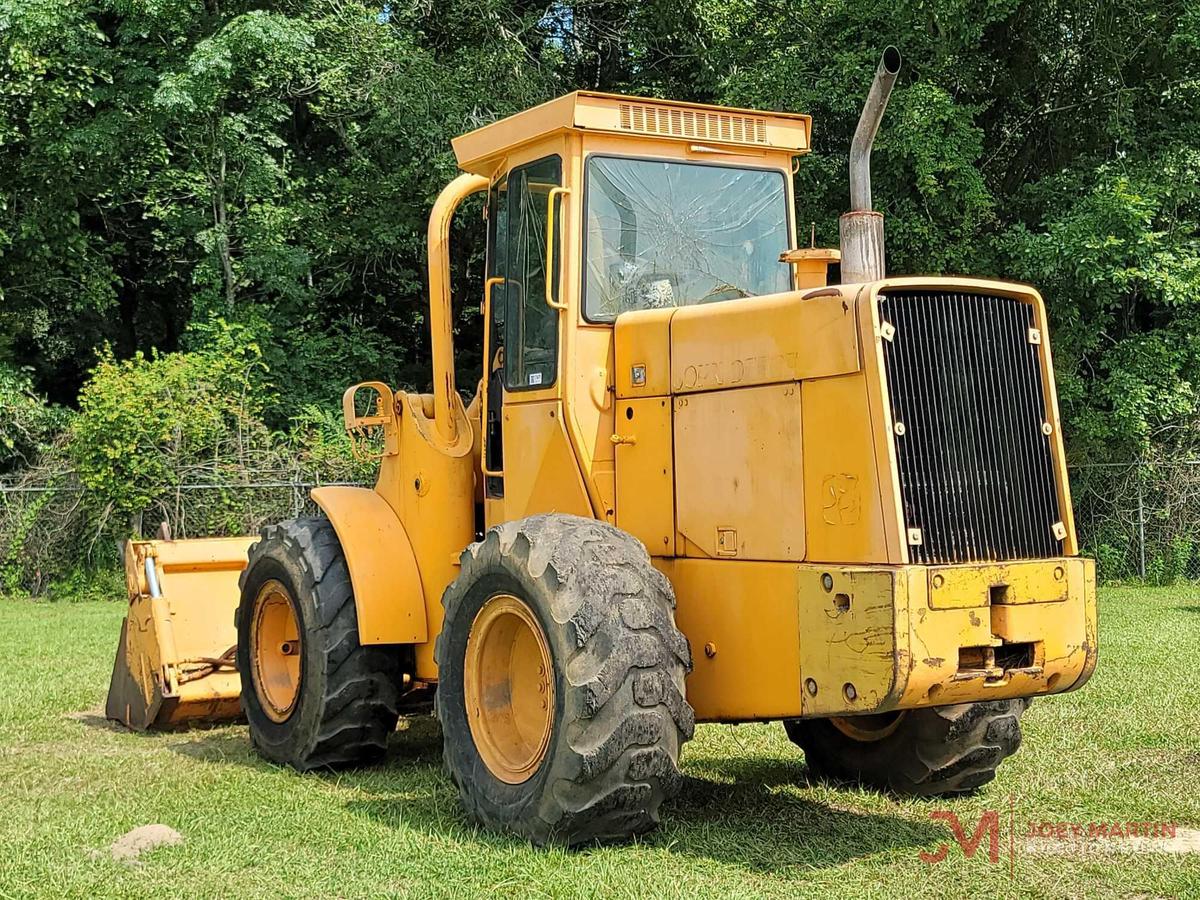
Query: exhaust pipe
{"points": [[861, 229]]}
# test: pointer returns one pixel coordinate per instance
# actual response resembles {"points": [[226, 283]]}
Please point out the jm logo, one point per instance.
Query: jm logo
{"points": [[989, 827]]}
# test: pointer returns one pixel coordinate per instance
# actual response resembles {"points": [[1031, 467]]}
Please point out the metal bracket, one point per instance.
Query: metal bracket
{"points": [[384, 417]]}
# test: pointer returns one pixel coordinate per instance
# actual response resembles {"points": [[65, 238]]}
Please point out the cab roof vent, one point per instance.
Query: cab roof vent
{"points": [[682, 122]]}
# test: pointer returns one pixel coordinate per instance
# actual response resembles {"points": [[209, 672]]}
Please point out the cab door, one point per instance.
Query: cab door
{"points": [[527, 450]]}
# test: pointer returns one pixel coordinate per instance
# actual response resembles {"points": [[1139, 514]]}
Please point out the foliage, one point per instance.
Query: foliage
{"points": [[161, 162], [1125, 249], [318, 437], [45, 533], [177, 438], [1028, 140], [56, 263], [27, 423], [88, 584], [271, 164], [148, 424]]}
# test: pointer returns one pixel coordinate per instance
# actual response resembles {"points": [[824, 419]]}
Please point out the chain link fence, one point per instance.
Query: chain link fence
{"points": [[1140, 520], [1137, 519]]}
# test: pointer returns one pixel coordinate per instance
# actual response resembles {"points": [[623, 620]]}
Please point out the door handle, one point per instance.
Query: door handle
{"points": [[551, 275]]}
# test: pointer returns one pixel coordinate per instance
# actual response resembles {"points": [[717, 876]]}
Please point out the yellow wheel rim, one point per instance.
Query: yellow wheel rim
{"points": [[508, 686], [275, 651], [868, 728]]}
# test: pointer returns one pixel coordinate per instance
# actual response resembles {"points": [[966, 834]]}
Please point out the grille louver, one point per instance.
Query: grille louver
{"points": [[969, 425], [693, 123]]}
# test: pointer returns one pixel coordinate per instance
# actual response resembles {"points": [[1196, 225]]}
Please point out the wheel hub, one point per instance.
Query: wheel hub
{"points": [[275, 651], [508, 686], [868, 728]]}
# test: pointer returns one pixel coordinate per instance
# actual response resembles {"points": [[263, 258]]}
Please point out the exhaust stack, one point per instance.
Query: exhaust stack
{"points": [[862, 228]]}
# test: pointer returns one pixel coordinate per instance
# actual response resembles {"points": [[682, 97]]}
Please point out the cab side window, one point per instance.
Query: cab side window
{"points": [[530, 325]]}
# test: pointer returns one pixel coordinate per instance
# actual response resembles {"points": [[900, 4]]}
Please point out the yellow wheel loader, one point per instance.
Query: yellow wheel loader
{"points": [[696, 483]]}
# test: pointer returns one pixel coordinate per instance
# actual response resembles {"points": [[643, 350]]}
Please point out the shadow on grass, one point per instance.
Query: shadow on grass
{"points": [[212, 745], [757, 822], [1192, 609], [738, 810], [419, 739], [98, 718], [95, 718], [754, 822]]}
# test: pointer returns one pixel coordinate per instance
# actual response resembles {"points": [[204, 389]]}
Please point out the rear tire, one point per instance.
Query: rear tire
{"points": [[605, 617], [344, 705], [927, 752]]}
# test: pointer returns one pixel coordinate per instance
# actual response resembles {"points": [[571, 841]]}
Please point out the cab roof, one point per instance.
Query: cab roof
{"points": [[481, 150]]}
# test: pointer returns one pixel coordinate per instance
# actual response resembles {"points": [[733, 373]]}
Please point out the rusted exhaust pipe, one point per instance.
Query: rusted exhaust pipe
{"points": [[862, 228]]}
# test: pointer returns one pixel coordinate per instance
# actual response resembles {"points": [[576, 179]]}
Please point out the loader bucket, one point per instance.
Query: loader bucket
{"points": [[176, 657]]}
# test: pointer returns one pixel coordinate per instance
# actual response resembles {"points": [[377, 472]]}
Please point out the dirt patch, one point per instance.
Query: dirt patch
{"points": [[130, 846]]}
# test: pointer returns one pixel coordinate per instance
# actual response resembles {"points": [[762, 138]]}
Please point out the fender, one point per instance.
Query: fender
{"points": [[388, 596]]}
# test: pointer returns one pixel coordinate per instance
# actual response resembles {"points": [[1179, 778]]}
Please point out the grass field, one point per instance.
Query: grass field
{"points": [[748, 824]]}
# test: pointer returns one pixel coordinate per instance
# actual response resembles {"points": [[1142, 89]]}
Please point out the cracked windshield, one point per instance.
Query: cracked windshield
{"points": [[674, 234]]}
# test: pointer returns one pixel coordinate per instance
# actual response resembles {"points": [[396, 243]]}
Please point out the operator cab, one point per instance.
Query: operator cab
{"points": [[601, 205], [680, 203]]}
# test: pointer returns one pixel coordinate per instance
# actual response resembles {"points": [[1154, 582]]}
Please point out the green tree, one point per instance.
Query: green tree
{"points": [[28, 425], [148, 424], [274, 162]]}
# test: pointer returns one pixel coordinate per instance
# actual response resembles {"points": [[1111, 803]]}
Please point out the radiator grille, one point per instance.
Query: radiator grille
{"points": [[969, 420]]}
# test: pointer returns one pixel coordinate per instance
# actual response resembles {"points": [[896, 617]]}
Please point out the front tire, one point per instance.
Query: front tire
{"points": [[313, 696], [939, 751], [581, 600]]}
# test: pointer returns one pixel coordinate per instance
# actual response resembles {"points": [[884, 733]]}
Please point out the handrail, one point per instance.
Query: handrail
{"points": [[440, 314], [550, 278]]}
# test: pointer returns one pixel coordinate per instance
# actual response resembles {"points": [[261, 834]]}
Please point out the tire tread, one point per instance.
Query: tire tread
{"points": [[627, 665], [359, 695], [938, 751]]}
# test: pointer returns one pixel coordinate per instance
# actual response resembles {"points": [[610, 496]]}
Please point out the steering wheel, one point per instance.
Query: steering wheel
{"points": [[720, 292]]}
